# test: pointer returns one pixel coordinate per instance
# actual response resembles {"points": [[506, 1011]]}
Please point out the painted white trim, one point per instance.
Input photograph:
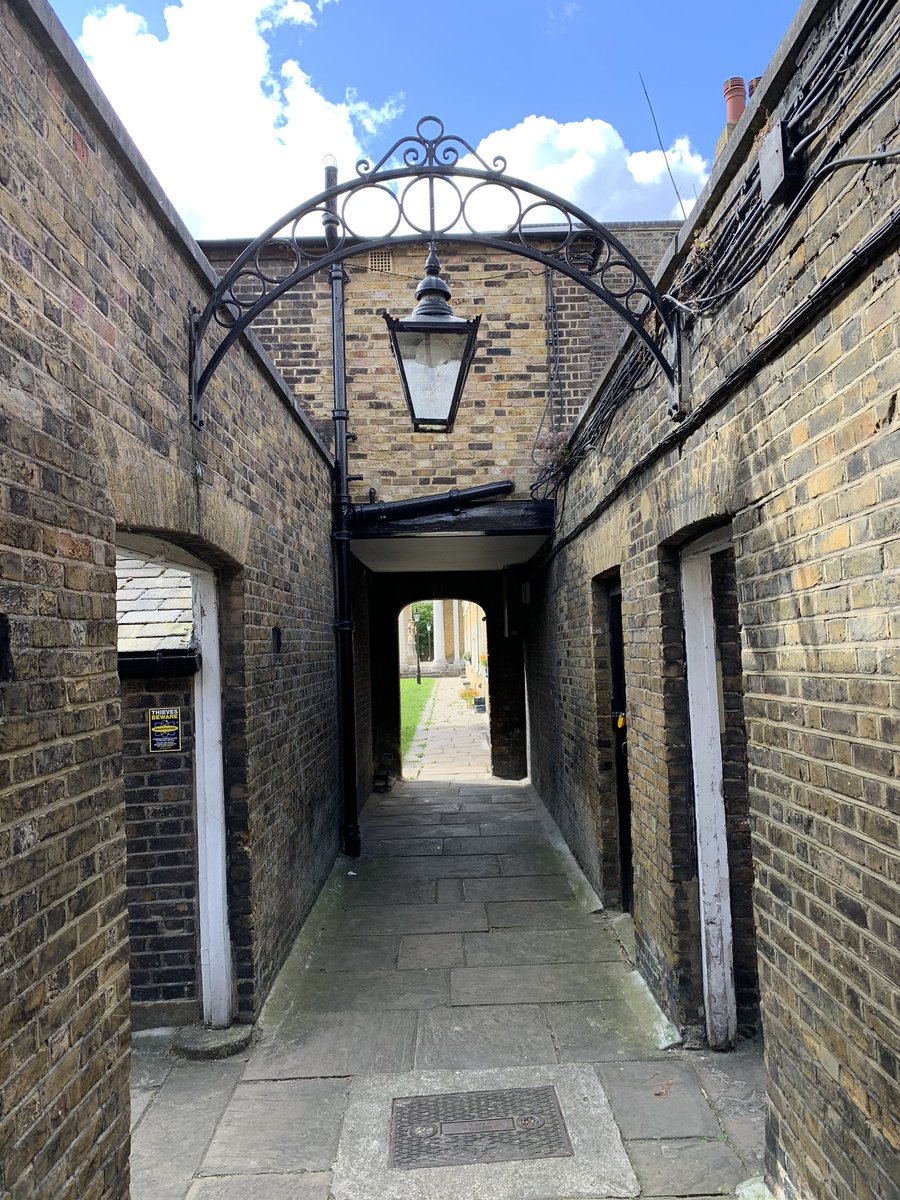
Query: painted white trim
{"points": [[709, 803], [209, 789]]}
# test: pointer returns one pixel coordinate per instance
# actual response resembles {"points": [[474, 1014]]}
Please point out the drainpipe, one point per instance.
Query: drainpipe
{"points": [[418, 506], [340, 536]]}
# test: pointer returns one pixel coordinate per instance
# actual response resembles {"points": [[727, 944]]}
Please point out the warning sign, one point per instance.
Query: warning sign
{"points": [[165, 730]]}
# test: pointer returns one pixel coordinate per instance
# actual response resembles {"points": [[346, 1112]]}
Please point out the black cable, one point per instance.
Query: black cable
{"points": [[759, 255], [738, 227], [735, 234], [880, 242]]}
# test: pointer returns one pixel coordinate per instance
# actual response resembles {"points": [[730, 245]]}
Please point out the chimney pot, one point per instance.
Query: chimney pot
{"points": [[735, 99], [754, 84]]}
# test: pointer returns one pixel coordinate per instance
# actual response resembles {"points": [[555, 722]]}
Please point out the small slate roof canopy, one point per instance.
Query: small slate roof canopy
{"points": [[154, 605]]}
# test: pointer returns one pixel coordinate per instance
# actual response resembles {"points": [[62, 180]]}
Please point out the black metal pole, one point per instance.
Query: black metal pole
{"points": [[343, 624]]}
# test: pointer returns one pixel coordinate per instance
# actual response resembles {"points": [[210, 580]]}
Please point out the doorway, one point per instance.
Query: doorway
{"points": [[619, 728], [170, 667], [443, 677], [616, 865]]}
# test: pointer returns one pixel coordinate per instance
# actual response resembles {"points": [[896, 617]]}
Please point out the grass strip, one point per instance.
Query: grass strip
{"points": [[413, 698]]}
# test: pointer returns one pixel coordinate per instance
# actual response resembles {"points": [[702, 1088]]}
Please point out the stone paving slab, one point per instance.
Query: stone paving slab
{"points": [[169, 1143], [539, 860], [412, 918], [140, 1101], [450, 891], [495, 1036], [390, 891], [736, 1085], [424, 822], [520, 887], [598, 1032], [263, 1187], [500, 826], [333, 991], [598, 1169], [507, 947], [403, 847], [448, 866], [318, 1044], [281, 1126], [427, 950], [151, 1057], [657, 1100], [691, 1167], [529, 984], [355, 954], [416, 809], [497, 806], [551, 914], [464, 820], [512, 844]]}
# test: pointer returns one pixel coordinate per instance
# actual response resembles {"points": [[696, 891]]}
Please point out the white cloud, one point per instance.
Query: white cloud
{"points": [[236, 140], [233, 140], [588, 163], [297, 11]]}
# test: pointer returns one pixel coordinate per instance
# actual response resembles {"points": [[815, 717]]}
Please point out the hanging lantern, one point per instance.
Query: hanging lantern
{"points": [[433, 350]]}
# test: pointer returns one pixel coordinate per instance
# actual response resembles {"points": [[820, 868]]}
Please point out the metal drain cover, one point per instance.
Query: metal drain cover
{"points": [[462, 1128]]}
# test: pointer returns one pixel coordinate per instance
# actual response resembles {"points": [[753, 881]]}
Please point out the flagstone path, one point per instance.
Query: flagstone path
{"points": [[462, 956]]}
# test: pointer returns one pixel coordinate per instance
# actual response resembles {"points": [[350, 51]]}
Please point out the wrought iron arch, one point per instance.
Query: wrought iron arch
{"points": [[428, 162]]}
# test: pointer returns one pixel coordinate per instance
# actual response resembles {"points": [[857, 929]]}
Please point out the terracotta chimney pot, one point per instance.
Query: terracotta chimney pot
{"points": [[754, 84], [735, 99]]}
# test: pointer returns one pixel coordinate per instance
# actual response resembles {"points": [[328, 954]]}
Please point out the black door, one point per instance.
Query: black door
{"points": [[620, 747]]}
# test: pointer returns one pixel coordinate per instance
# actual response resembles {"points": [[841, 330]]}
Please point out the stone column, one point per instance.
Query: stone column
{"points": [[407, 642], [457, 645], [440, 652]]}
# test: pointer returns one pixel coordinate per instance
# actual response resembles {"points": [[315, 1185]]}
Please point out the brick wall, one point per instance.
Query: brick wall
{"points": [[161, 866], [97, 276], [64, 978], [792, 434]]}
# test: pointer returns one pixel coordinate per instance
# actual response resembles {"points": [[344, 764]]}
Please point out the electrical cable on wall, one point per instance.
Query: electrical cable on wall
{"points": [[736, 250]]}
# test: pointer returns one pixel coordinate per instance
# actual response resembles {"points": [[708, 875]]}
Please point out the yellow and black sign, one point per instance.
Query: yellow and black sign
{"points": [[165, 730]]}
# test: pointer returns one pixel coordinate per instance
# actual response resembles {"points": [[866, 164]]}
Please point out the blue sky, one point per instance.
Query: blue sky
{"points": [[272, 85]]}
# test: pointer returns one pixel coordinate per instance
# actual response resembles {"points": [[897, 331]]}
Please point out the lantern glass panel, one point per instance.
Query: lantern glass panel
{"points": [[432, 362]]}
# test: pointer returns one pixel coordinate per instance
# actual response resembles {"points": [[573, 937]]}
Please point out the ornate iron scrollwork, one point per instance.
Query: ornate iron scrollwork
{"points": [[423, 190], [440, 151]]}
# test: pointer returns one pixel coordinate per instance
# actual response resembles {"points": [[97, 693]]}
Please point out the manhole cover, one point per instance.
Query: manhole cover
{"points": [[477, 1127]]}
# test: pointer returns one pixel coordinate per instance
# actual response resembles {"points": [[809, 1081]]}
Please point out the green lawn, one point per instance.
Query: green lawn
{"points": [[412, 700]]}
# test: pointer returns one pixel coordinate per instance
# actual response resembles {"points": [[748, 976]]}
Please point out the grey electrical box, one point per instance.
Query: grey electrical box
{"points": [[776, 173]]}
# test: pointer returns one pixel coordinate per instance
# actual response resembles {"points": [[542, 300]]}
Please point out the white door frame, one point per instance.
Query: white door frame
{"points": [[209, 780], [704, 688]]}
